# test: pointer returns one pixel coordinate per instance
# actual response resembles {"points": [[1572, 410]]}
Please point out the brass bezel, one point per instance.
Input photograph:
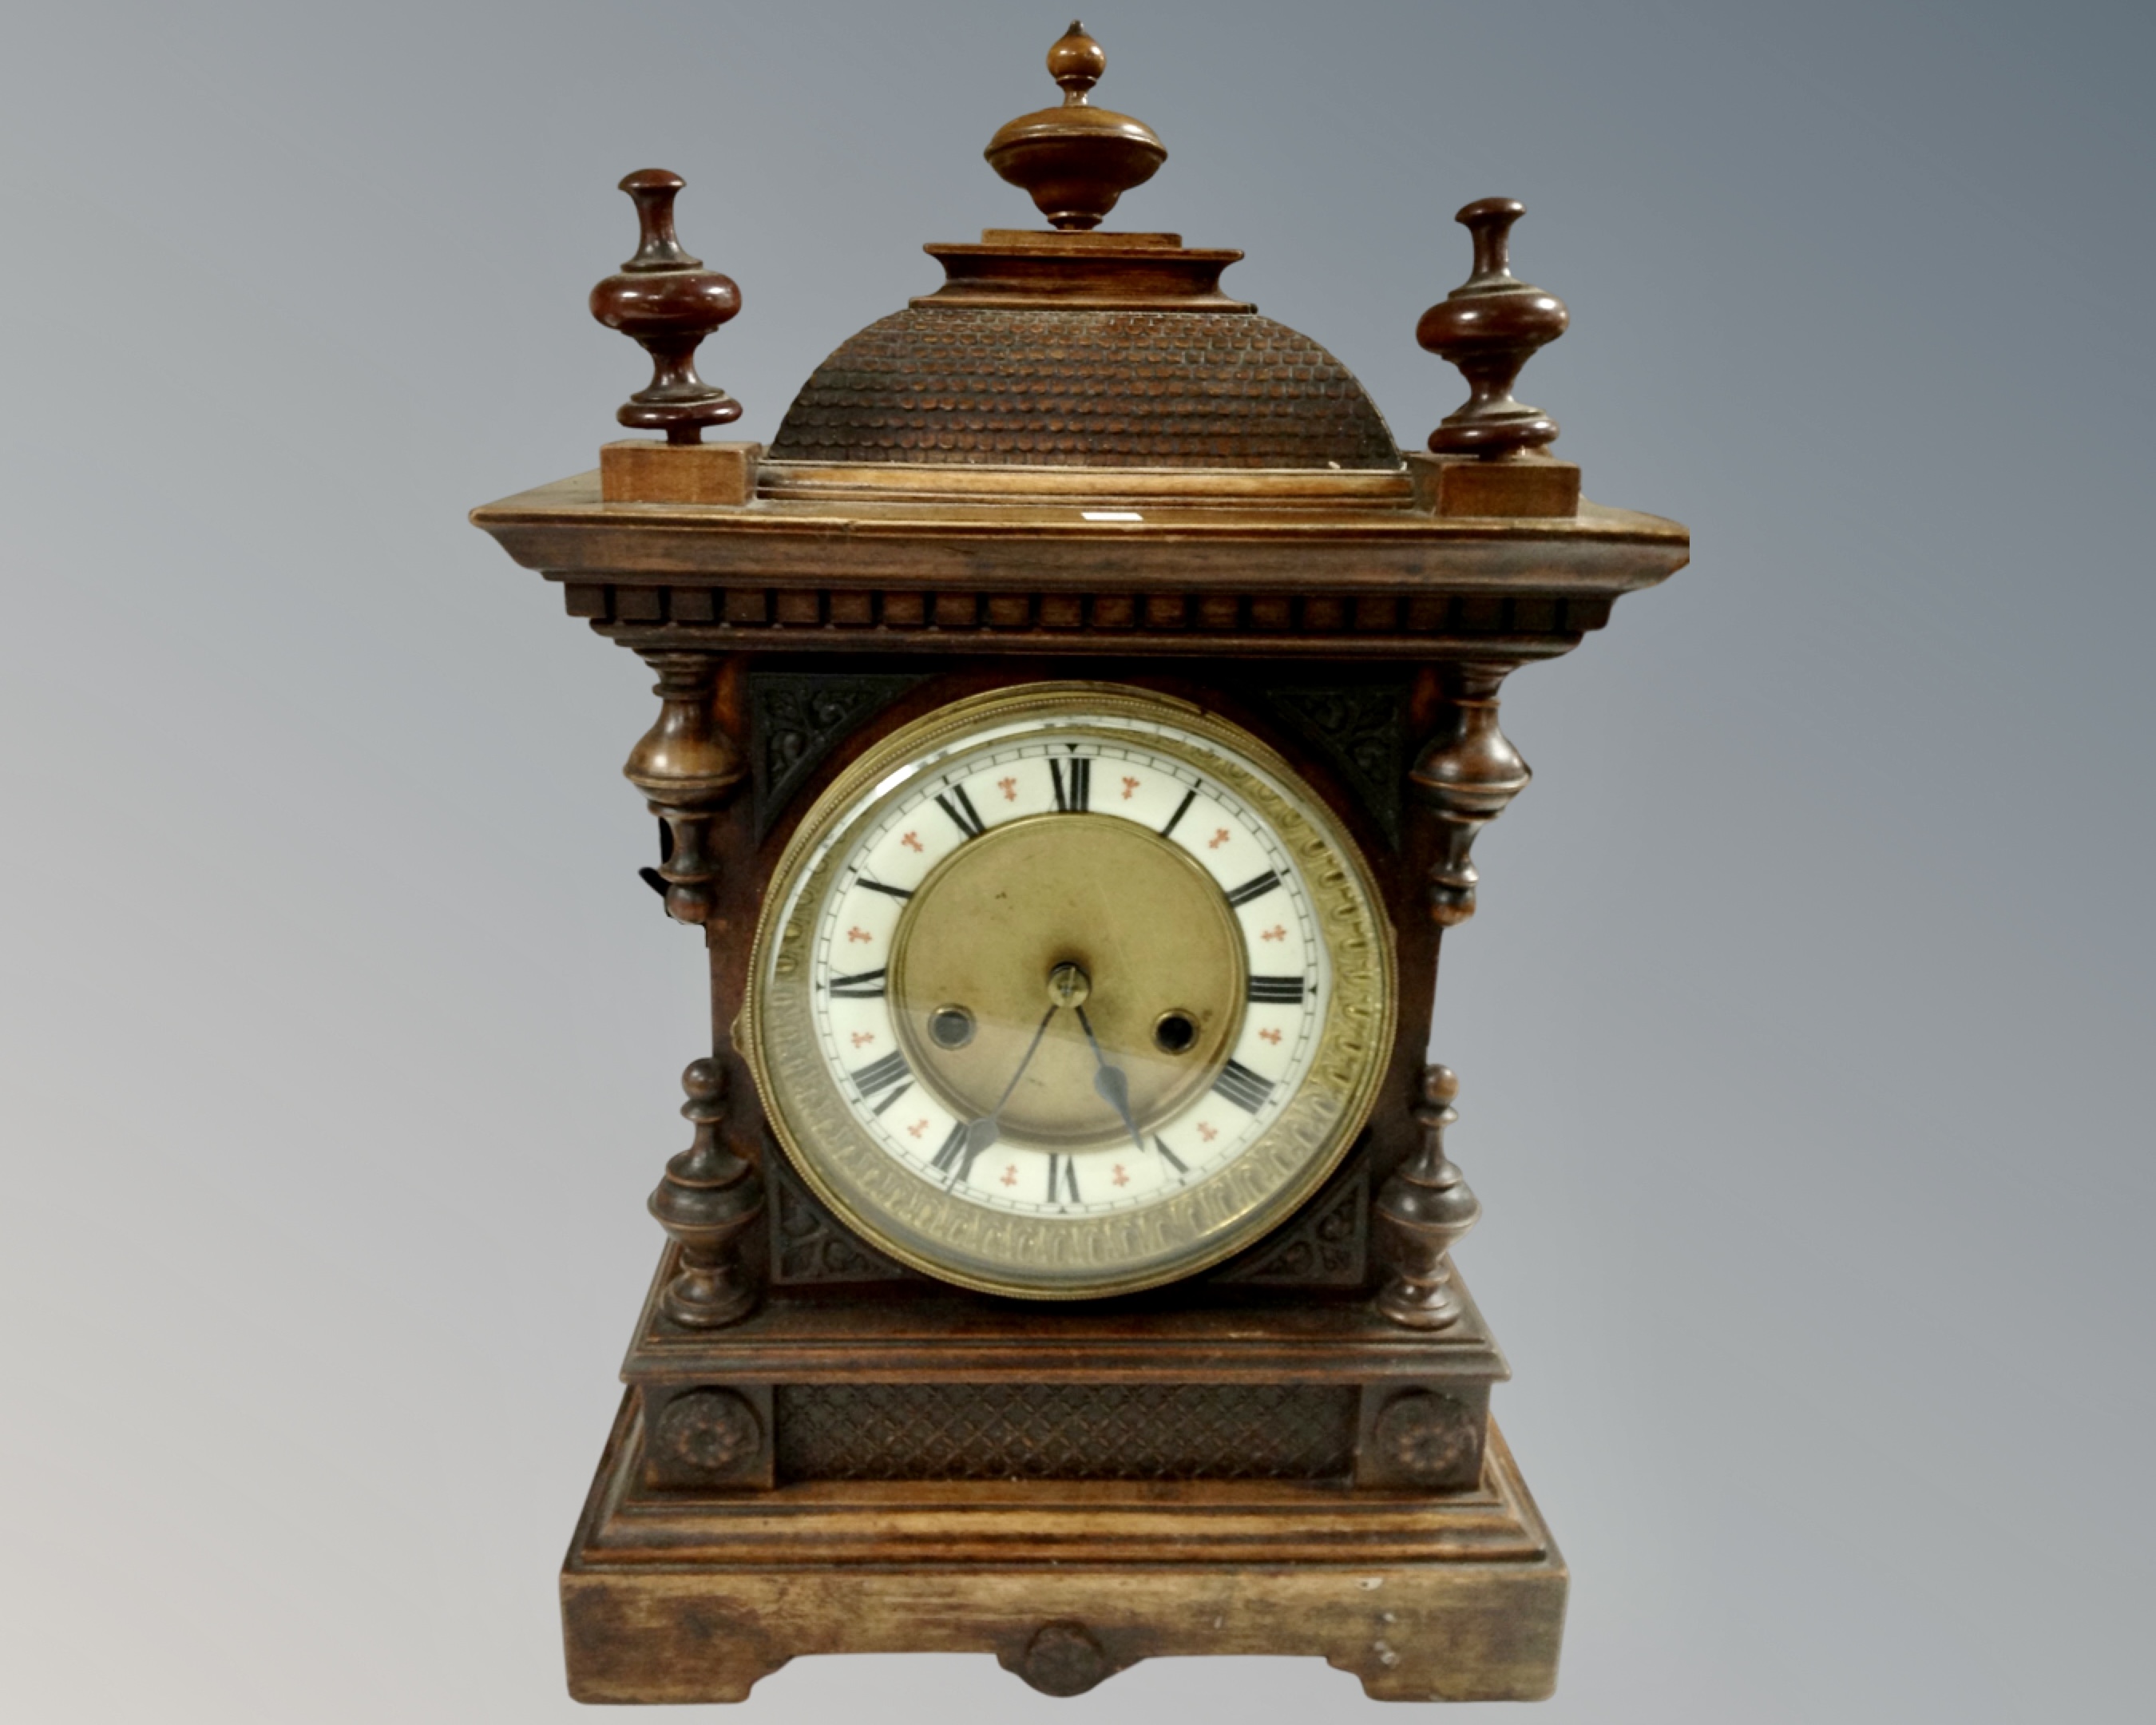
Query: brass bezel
{"points": [[1083, 1257]]}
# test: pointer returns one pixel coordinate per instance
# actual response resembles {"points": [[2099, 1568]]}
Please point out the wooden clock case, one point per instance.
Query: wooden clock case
{"points": [[821, 1451]]}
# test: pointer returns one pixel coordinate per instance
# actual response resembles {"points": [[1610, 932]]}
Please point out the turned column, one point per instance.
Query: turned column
{"points": [[708, 1199], [1464, 775], [686, 765], [1421, 1212]]}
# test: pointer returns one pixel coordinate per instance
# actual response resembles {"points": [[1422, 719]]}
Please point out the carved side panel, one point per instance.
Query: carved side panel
{"points": [[810, 1245], [798, 718], [1326, 1247], [1362, 732]]}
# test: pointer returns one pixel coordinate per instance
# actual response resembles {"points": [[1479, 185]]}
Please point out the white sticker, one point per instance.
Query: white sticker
{"points": [[1112, 515]]}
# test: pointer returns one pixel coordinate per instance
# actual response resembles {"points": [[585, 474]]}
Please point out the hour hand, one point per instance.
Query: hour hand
{"points": [[1112, 1082]]}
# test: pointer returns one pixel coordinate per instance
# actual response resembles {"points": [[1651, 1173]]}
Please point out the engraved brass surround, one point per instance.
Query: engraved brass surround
{"points": [[1078, 1257], [1091, 883]]}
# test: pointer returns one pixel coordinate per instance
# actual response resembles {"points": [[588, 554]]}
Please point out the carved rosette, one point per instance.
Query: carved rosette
{"points": [[710, 1431], [686, 765], [1427, 1436], [1465, 775], [708, 1199], [1421, 1212]]}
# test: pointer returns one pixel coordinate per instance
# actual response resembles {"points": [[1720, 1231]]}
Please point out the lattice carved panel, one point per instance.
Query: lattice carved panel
{"points": [[1065, 1431]]}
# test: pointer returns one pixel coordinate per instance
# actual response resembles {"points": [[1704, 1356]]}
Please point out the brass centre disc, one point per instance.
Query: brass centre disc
{"points": [[1148, 927]]}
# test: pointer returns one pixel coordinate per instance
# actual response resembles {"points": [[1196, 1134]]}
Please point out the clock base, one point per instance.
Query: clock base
{"points": [[686, 1598]]}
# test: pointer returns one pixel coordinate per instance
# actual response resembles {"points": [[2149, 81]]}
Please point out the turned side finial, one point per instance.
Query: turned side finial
{"points": [[1467, 775], [667, 302], [1077, 160], [1421, 1212], [687, 765], [706, 1201], [1489, 327]]}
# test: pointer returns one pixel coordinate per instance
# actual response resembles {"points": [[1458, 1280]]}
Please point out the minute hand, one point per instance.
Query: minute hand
{"points": [[1112, 1082], [983, 1132]]}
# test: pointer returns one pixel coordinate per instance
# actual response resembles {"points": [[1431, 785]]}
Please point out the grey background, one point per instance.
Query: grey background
{"points": [[1803, 1034]]}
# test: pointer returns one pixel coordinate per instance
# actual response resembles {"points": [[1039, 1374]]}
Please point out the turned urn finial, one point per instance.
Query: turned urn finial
{"points": [[668, 302], [1489, 327], [1076, 160], [1421, 1212], [707, 1200]]}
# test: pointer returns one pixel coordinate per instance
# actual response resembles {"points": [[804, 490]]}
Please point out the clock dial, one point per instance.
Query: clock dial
{"points": [[1067, 991]]}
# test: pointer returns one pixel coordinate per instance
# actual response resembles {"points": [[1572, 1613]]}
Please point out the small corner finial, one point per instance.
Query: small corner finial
{"points": [[1424, 1209], [667, 302], [1489, 327], [1076, 61]]}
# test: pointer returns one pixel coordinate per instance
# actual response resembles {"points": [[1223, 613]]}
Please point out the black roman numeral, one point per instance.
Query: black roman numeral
{"points": [[887, 891], [962, 1148], [1258, 888], [1073, 793], [953, 1155], [960, 808], [1169, 1157], [1078, 798], [1180, 810], [1063, 1173], [882, 1075], [1269, 990], [1242, 1086], [862, 985]]}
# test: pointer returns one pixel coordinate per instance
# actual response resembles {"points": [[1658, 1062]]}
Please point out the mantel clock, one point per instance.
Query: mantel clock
{"points": [[1074, 729]]}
